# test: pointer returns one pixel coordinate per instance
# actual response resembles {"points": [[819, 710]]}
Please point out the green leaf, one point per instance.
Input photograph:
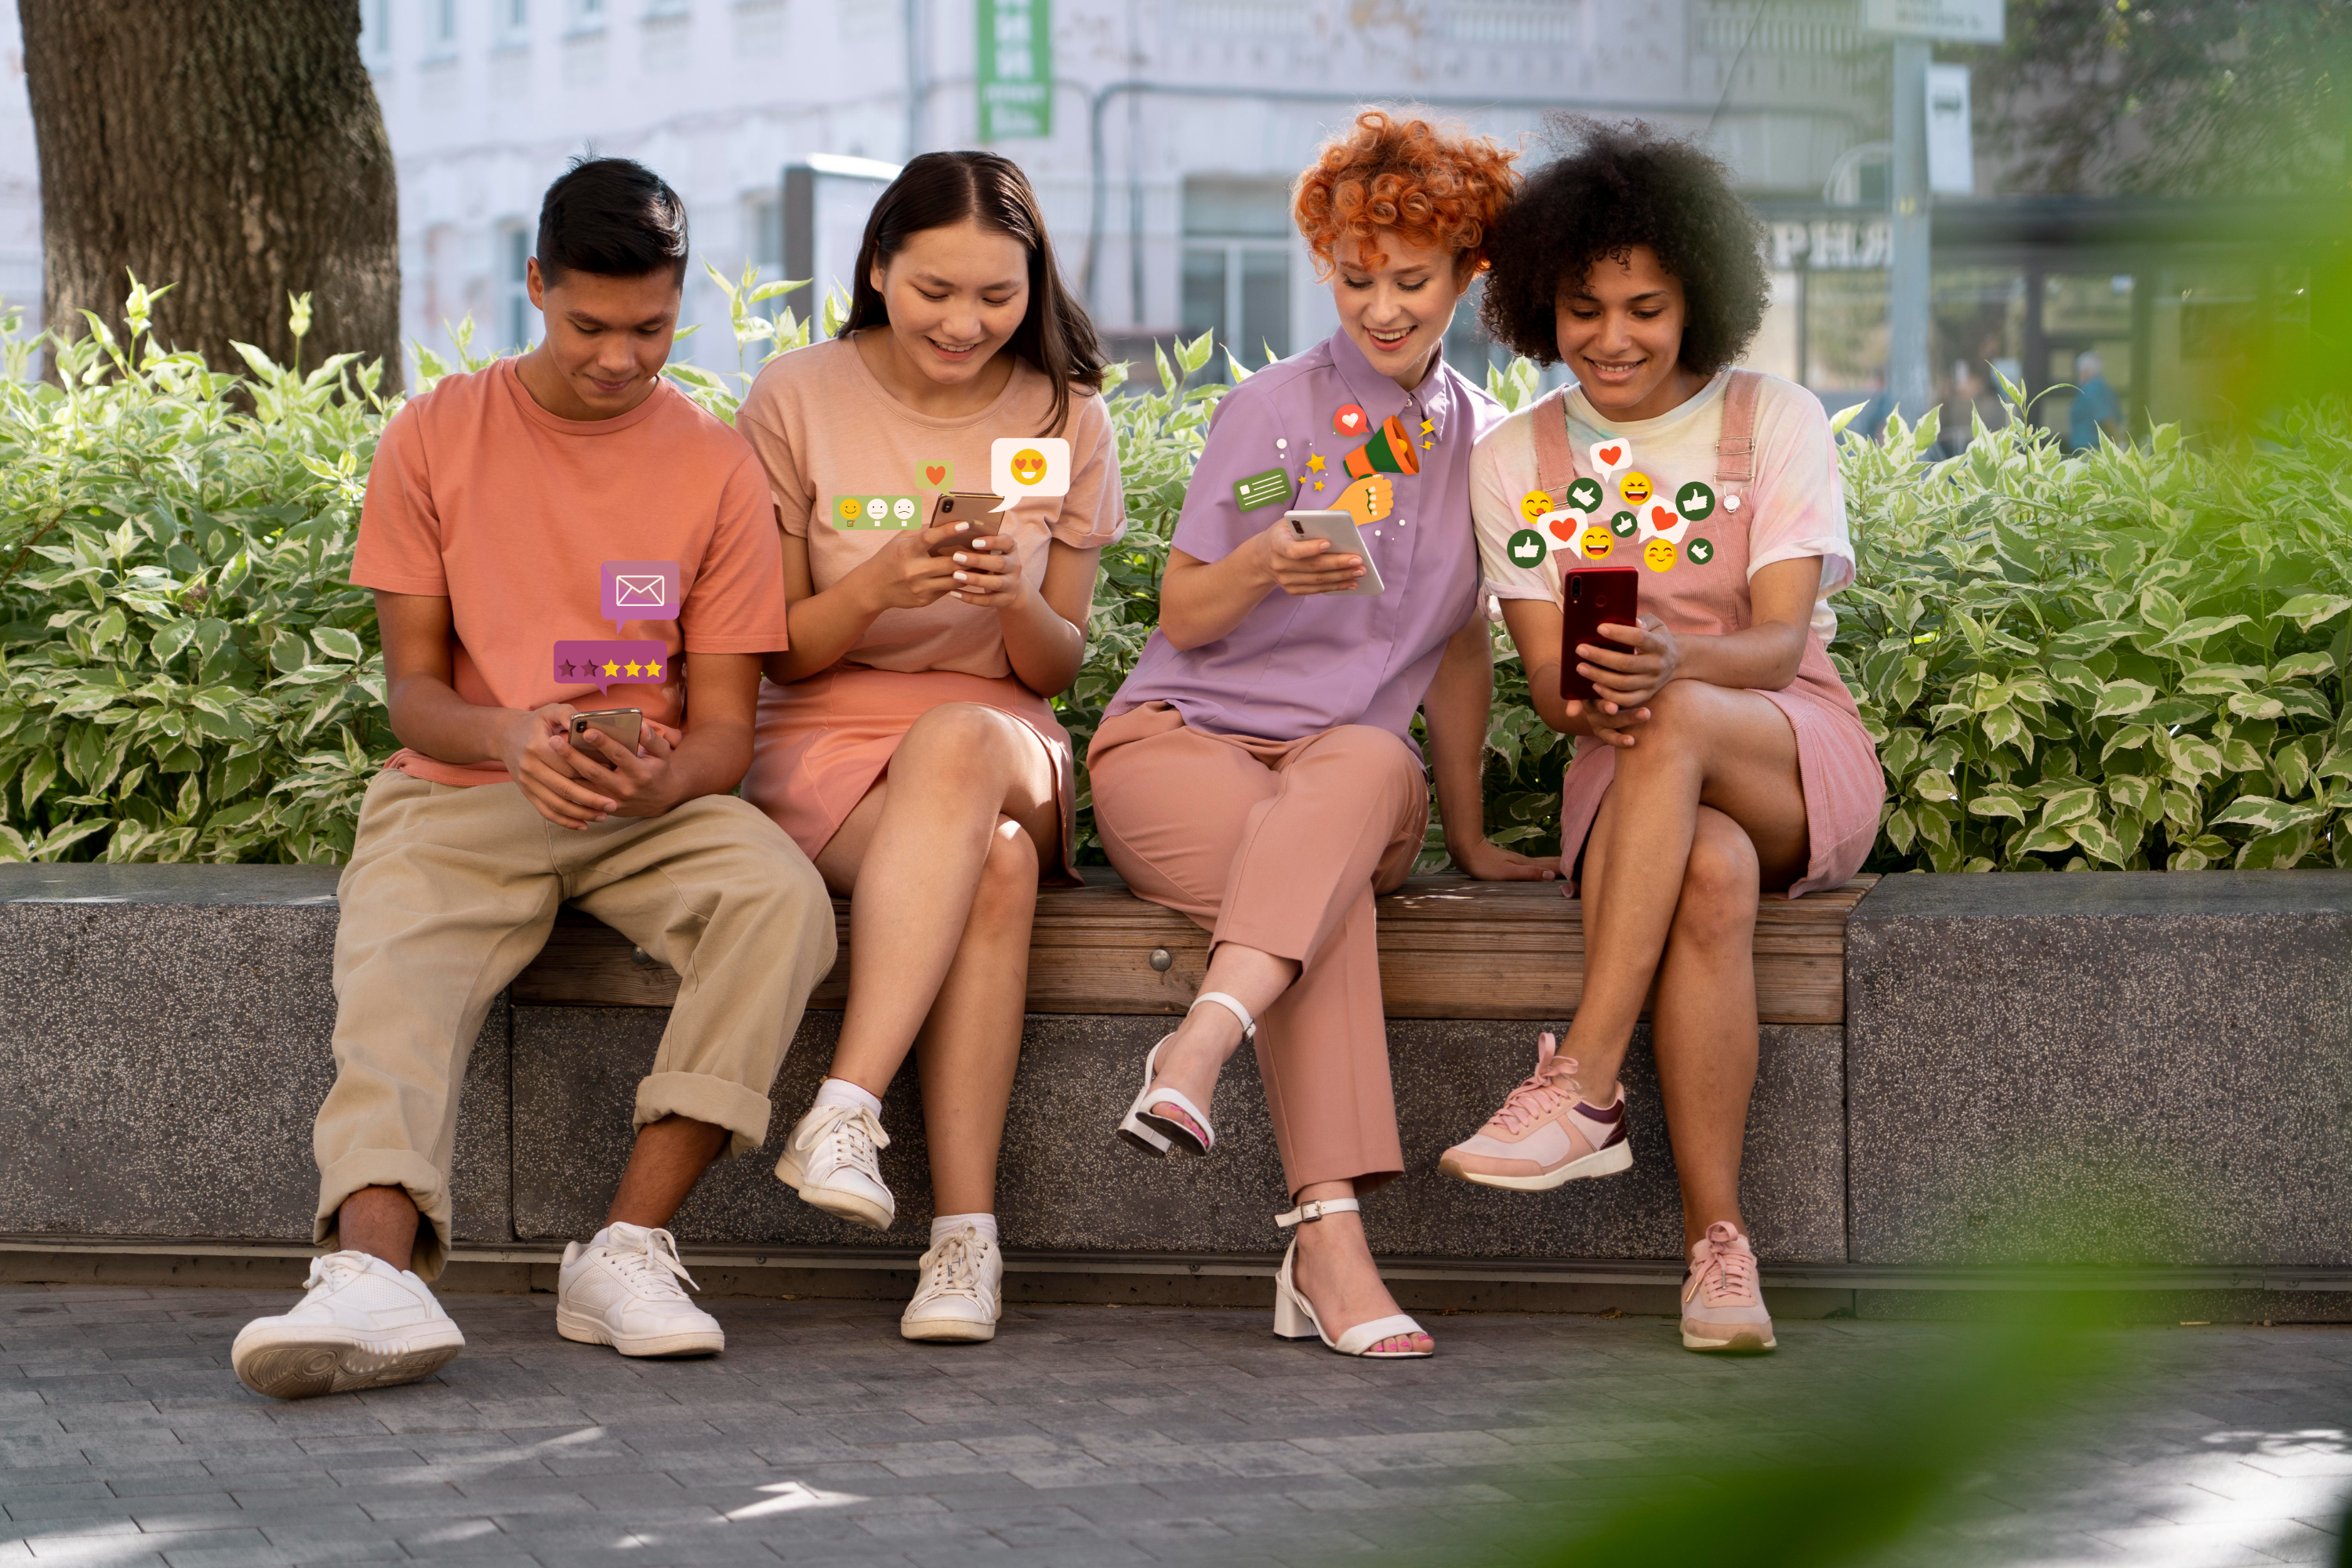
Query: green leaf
{"points": [[2201, 628], [337, 643], [2309, 610], [2123, 696]]}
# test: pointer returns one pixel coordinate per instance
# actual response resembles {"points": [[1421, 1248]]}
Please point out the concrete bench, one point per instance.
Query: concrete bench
{"points": [[1937, 1050]]}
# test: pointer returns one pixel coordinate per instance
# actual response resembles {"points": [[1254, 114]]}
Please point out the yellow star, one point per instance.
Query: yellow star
{"points": [[612, 668], [634, 668], [1314, 463], [653, 670], [1318, 484]]}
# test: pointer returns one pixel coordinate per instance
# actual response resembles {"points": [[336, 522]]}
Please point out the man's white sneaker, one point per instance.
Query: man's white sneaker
{"points": [[961, 1293], [362, 1324], [831, 1160], [622, 1290]]}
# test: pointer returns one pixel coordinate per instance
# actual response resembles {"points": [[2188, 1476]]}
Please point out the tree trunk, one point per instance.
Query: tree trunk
{"points": [[231, 147]]}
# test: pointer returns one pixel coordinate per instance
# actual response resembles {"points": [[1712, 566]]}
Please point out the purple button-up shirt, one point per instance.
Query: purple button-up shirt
{"points": [[1296, 665]]}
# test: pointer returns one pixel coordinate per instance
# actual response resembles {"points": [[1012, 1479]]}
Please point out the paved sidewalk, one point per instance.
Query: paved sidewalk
{"points": [[1084, 1434]]}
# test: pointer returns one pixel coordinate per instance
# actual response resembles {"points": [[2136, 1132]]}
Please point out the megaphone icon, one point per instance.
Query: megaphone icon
{"points": [[1390, 452]]}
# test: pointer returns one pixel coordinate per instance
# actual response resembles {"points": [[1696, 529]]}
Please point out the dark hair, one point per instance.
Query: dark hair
{"points": [[1611, 188], [938, 189], [612, 218]]}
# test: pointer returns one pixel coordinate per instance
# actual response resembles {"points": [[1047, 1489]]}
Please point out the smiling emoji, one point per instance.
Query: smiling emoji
{"points": [[1659, 555], [1534, 504], [1635, 487], [1598, 544], [1028, 466]]}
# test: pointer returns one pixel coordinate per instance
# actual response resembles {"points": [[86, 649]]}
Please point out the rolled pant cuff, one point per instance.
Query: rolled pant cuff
{"points": [[1278, 938], [720, 1102], [425, 1183]]}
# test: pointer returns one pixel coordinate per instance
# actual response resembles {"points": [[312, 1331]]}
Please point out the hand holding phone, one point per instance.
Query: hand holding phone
{"points": [[1322, 553], [1591, 597]]}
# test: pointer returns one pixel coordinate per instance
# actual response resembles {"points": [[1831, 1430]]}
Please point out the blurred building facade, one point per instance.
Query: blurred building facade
{"points": [[1170, 132]]}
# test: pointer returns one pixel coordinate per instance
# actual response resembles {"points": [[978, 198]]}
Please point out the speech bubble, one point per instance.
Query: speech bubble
{"points": [[1022, 465], [640, 591], [607, 662]]}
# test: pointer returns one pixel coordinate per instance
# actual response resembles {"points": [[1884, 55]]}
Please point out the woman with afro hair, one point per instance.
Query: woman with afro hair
{"points": [[1721, 756], [1257, 772]]}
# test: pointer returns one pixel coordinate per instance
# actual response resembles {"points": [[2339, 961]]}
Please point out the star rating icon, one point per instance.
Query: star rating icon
{"points": [[634, 668], [611, 667], [653, 670]]}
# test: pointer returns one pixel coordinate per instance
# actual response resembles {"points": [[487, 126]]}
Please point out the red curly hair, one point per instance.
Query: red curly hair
{"points": [[1434, 185]]}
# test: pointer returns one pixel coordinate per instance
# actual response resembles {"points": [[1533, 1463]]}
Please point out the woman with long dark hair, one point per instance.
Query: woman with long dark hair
{"points": [[905, 740]]}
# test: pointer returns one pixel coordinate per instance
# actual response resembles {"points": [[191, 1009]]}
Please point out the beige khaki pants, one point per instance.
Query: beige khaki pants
{"points": [[451, 891], [1280, 845]]}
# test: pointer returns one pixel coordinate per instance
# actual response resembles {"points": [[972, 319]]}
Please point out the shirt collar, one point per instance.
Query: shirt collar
{"points": [[1382, 398]]}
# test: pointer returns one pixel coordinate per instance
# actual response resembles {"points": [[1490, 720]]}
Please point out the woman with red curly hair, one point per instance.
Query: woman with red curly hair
{"points": [[1257, 772]]}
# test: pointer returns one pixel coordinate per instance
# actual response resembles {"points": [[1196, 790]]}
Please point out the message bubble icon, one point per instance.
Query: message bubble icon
{"points": [[607, 662], [1024, 466], [640, 591]]}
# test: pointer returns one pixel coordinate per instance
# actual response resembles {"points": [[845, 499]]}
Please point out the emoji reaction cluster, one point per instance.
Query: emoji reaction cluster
{"points": [[1621, 508], [878, 511]]}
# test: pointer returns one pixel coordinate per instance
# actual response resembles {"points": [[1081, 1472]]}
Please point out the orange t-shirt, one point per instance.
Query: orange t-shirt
{"points": [[832, 436], [481, 497]]}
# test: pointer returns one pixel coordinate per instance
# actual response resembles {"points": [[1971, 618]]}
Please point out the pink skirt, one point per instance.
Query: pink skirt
{"points": [[822, 741], [1837, 767]]}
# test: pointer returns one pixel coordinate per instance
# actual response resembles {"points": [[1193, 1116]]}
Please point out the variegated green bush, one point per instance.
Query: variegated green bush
{"points": [[2135, 658]]}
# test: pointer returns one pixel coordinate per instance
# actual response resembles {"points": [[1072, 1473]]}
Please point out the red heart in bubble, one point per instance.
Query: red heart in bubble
{"points": [[1609, 455], [1661, 519], [1563, 527]]}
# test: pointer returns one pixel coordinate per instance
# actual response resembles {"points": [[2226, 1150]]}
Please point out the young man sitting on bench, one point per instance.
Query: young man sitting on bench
{"points": [[560, 532]]}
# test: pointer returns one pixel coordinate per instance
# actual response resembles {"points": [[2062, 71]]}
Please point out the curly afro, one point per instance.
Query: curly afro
{"points": [[1611, 188], [1435, 185]]}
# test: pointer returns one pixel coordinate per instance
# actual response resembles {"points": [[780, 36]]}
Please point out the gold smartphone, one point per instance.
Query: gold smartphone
{"points": [[625, 725], [966, 506]]}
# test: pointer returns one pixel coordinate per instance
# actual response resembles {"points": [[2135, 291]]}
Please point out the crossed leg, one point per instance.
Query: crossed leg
{"points": [[1705, 811], [940, 862]]}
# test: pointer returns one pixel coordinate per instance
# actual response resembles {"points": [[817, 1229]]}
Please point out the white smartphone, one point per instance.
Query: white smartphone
{"points": [[1339, 528]]}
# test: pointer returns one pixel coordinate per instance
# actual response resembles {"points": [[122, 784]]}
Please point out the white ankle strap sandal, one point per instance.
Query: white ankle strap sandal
{"points": [[1294, 1315], [1157, 1134]]}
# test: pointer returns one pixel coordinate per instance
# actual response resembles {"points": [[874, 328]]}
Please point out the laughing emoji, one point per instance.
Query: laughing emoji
{"points": [[1028, 466], [1635, 487], [1597, 544]]}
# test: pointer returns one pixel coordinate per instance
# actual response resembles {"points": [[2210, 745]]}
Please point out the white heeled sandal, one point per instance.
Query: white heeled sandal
{"points": [[1157, 1134], [1294, 1316]]}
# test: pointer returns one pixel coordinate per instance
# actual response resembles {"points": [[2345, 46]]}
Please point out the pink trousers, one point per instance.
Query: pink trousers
{"points": [[1280, 845]]}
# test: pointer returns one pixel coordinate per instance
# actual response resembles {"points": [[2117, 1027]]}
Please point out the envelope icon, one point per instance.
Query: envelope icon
{"points": [[635, 591]]}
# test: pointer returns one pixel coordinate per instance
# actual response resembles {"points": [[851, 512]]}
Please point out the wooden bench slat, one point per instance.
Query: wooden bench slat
{"points": [[1449, 948]]}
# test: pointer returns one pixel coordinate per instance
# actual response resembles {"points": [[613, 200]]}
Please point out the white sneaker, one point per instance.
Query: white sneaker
{"points": [[831, 1161], [621, 1289], [364, 1324], [962, 1292]]}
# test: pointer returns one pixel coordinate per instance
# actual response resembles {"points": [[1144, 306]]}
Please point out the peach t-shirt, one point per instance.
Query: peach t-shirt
{"points": [[481, 497], [830, 434]]}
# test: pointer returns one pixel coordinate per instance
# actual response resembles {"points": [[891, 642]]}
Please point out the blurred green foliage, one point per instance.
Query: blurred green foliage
{"points": [[2131, 657]]}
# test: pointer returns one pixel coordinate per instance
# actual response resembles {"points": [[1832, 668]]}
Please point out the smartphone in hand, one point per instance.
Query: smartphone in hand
{"points": [[1590, 597], [966, 506], [1338, 528], [625, 725]]}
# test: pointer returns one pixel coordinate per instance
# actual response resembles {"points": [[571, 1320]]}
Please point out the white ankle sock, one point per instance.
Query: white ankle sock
{"points": [[840, 1091], [946, 1225]]}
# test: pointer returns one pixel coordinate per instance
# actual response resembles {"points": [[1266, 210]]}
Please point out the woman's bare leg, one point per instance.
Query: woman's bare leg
{"points": [[1206, 1037], [1704, 1022], [911, 856], [970, 1044], [1336, 1272], [1703, 745]]}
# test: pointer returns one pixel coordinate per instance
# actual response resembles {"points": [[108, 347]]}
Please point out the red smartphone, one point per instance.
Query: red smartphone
{"points": [[1591, 596]]}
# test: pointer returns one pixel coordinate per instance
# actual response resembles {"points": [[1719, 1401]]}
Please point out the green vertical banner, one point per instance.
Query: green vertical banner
{"points": [[1017, 68]]}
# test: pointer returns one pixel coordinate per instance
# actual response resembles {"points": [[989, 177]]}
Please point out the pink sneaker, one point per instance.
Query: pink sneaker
{"points": [[1544, 1134], [1722, 1300]]}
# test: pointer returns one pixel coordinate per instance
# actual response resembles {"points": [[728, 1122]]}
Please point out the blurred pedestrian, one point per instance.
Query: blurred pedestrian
{"points": [[2096, 409]]}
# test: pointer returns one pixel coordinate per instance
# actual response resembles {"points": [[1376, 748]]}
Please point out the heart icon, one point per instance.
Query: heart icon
{"points": [[935, 472], [1608, 456], [1351, 420], [1661, 519]]}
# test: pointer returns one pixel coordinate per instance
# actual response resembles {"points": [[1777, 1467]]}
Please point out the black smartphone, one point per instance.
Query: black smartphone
{"points": [[966, 506], [1592, 596]]}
